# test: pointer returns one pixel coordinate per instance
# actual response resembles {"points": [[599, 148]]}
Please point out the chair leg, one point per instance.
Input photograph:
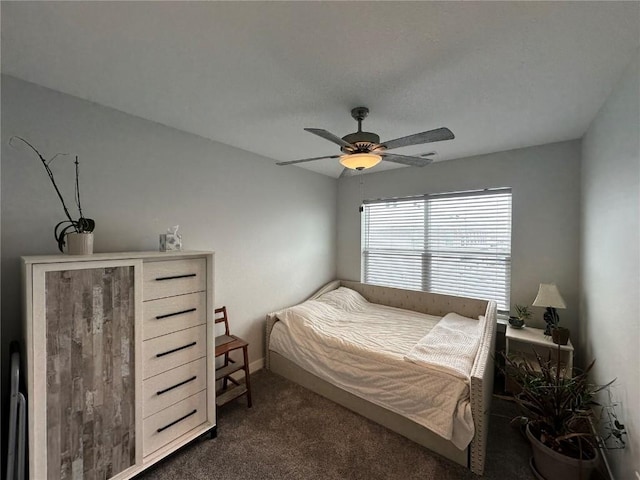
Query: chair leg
{"points": [[224, 379], [246, 375]]}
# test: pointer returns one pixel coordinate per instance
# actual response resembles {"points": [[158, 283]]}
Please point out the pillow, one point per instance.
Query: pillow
{"points": [[344, 299]]}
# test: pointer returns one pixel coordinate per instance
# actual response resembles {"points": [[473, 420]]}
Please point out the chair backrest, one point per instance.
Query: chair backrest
{"points": [[221, 316]]}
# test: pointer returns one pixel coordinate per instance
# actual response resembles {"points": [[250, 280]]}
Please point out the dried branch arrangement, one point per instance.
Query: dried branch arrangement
{"points": [[82, 224]]}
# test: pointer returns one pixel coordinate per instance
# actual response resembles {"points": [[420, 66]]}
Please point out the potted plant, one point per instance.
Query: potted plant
{"points": [[557, 410], [77, 233], [522, 315]]}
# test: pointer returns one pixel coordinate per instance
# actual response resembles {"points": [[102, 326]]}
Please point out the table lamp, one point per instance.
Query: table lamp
{"points": [[549, 297]]}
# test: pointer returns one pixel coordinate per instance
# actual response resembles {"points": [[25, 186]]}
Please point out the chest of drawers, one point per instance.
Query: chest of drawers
{"points": [[120, 361]]}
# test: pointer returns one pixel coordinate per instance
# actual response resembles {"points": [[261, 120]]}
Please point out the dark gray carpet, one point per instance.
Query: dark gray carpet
{"points": [[292, 433]]}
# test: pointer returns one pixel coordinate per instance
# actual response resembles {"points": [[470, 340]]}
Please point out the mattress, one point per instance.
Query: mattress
{"points": [[361, 347]]}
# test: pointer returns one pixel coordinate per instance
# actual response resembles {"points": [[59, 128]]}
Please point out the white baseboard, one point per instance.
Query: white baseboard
{"points": [[256, 365]]}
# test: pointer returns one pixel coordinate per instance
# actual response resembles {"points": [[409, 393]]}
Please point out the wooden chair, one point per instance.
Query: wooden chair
{"points": [[225, 344]]}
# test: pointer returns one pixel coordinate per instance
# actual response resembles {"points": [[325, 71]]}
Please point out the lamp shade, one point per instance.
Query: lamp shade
{"points": [[360, 161], [549, 296]]}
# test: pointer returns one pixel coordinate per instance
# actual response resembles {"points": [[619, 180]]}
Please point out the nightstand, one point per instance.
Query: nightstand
{"points": [[526, 341]]}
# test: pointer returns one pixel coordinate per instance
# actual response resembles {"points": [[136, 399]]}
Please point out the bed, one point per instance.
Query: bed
{"points": [[380, 374]]}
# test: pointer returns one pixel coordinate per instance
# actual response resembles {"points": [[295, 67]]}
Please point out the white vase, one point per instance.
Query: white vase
{"points": [[79, 243]]}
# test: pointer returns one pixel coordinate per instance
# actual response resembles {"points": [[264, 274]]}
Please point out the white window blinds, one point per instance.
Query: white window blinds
{"points": [[456, 244]]}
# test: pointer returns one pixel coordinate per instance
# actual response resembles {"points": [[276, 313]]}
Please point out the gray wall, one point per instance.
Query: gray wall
{"points": [[545, 186], [273, 228], [610, 254]]}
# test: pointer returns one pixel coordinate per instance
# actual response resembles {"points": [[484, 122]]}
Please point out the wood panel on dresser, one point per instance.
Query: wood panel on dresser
{"points": [[90, 397], [98, 407]]}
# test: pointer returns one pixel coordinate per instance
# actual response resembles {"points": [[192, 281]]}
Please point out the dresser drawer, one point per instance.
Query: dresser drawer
{"points": [[170, 351], [167, 315], [170, 423], [170, 387], [174, 277]]}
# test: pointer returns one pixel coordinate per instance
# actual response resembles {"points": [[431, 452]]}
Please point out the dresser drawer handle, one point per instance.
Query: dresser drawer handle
{"points": [[175, 349], [175, 277], [167, 315], [161, 429], [160, 392]]}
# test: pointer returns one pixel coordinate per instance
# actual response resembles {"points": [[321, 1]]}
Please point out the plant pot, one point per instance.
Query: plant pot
{"points": [[552, 465], [560, 335], [79, 243], [516, 322]]}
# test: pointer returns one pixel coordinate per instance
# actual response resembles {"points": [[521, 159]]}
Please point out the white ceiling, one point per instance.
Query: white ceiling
{"points": [[500, 75]]}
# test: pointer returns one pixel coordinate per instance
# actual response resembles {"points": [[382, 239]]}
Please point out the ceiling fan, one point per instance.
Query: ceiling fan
{"points": [[361, 150]]}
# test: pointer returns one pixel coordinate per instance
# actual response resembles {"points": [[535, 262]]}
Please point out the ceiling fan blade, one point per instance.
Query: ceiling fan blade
{"points": [[330, 136], [348, 172], [291, 162], [436, 135], [406, 160]]}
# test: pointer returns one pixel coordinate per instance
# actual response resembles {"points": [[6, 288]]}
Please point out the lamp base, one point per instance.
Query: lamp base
{"points": [[551, 319]]}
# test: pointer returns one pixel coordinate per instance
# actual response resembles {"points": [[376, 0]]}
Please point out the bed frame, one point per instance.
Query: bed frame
{"points": [[473, 457]]}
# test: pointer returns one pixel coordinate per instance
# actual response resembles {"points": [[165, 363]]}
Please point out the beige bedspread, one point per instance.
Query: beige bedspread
{"points": [[360, 347]]}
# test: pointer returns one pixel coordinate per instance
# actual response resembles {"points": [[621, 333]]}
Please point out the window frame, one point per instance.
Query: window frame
{"points": [[496, 261]]}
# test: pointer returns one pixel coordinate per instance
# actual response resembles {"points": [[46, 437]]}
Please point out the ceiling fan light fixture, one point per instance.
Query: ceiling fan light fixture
{"points": [[360, 161]]}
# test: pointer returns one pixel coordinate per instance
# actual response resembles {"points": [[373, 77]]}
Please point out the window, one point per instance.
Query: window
{"points": [[455, 244]]}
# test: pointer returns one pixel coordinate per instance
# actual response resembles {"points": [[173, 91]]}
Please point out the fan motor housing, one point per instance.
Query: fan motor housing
{"points": [[361, 137]]}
